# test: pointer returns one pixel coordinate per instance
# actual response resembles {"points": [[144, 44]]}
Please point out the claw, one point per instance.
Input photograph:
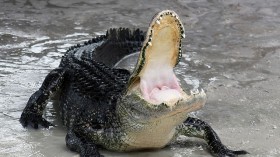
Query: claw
{"points": [[231, 153], [23, 122], [90, 151], [35, 125], [240, 152], [34, 120], [45, 123]]}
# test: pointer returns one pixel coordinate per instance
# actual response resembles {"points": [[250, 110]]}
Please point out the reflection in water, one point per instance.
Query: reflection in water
{"points": [[232, 50]]}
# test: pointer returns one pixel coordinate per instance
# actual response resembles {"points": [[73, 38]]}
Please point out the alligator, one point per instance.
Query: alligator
{"points": [[112, 108]]}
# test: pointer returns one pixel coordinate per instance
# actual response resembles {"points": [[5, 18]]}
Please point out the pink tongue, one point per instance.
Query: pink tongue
{"points": [[160, 90], [164, 94]]}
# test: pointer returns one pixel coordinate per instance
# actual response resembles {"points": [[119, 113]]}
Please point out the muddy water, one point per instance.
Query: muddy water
{"points": [[232, 49]]}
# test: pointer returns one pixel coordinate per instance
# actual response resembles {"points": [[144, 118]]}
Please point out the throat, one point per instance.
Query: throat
{"points": [[154, 133]]}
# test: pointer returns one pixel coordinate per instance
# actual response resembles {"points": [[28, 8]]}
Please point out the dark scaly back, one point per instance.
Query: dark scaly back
{"points": [[93, 61], [121, 42], [108, 48], [93, 80], [97, 81], [85, 50]]}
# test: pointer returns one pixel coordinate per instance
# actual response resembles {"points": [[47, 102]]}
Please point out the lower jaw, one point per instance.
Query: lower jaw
{"points": [[156, 132], [143, 133]]}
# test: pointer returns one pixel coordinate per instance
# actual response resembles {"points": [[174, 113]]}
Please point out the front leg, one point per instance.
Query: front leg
{"points": [[76, 142], [194, 127], [32, 113]]}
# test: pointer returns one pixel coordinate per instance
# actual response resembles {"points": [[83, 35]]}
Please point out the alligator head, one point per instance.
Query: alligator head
{"points": [[153, 79], [154, 91]]}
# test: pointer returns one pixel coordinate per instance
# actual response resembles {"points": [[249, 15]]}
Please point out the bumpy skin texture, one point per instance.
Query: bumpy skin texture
{"points": [[88, 88]]}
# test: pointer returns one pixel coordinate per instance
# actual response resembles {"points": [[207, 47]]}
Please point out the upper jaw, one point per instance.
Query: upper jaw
{"points": [[153, 89], [160, 53]]}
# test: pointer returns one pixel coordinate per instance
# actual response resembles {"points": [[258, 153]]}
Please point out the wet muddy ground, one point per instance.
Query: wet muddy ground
{"points": [[232, 49]]}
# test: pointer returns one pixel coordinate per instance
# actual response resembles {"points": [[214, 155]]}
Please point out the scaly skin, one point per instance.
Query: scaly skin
{"points": [[105, 107]]}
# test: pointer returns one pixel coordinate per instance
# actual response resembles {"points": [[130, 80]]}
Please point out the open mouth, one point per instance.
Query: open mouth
{"points": [[161, 51]]}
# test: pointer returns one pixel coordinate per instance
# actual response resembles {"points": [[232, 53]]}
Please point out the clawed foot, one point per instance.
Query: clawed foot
{"points": [[89, 150], [33, 119], [86, 149], [230, 153]]}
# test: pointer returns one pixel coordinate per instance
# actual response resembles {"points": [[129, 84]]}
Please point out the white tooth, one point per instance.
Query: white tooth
{"points": [[150, 43], [183, 35], [157, 22], [194, 91], [202, 91]]}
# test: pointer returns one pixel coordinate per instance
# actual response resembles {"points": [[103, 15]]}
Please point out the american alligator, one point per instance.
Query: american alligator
{"points": [[106, 107]]}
